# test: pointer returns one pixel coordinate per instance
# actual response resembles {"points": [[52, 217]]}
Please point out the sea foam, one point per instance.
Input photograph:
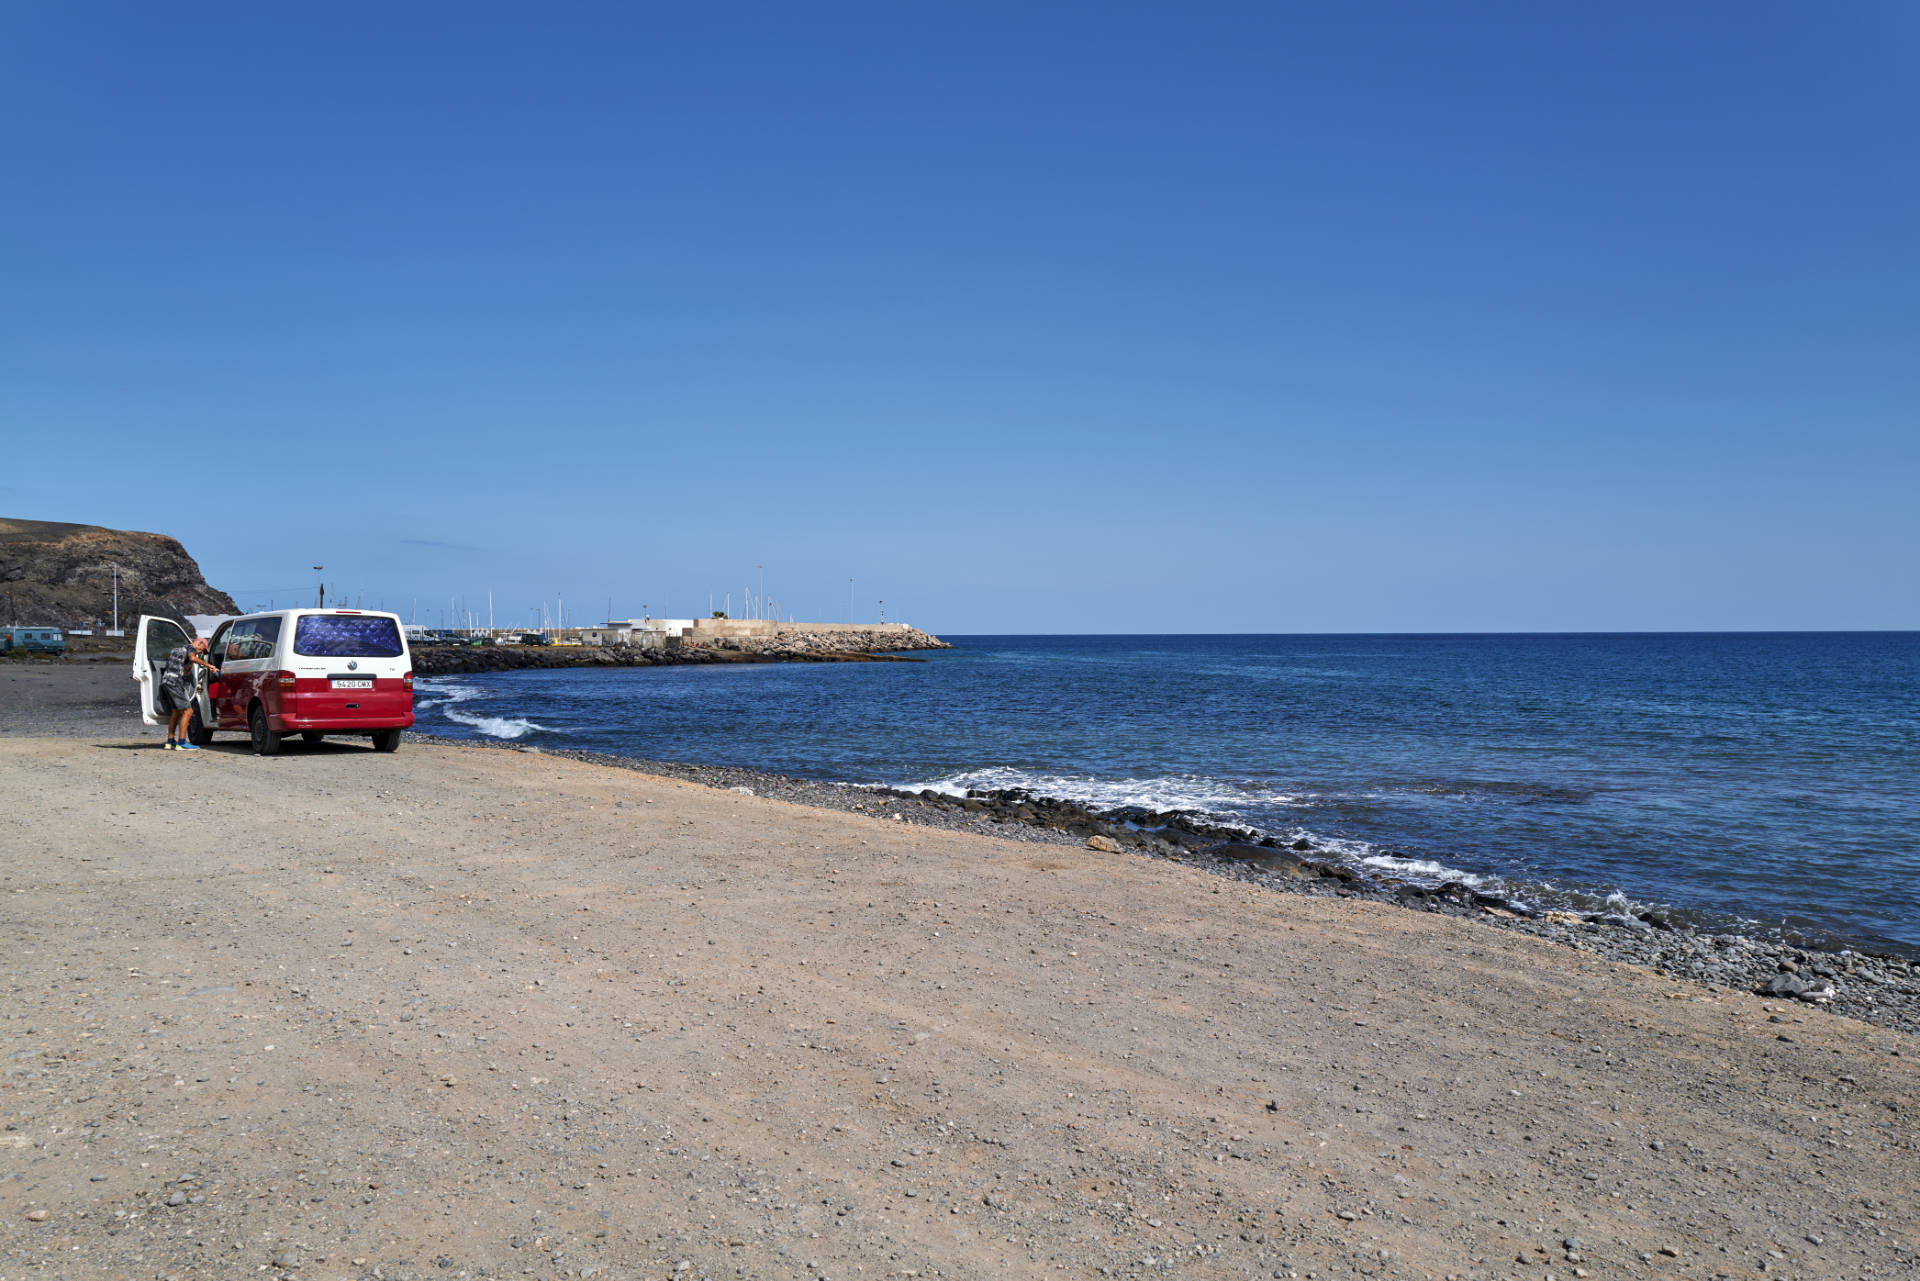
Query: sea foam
{"points": [[1213, 797], [448, 704]]}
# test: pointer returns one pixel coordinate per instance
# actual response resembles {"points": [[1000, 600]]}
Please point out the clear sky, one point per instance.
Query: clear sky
{"points": [[1050, 318]]}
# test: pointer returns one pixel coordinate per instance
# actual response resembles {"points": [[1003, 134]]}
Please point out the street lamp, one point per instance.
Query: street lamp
{"points": [[320, 601]]}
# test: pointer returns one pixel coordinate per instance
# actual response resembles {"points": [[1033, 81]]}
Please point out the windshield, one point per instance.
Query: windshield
{"points": [[346, 636]]}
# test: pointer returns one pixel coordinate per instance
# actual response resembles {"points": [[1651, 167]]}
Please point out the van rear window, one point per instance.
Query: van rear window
{"points": [[346, 636]]}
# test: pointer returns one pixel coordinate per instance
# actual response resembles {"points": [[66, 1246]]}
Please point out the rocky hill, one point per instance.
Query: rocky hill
{"points": [[54, 574]]}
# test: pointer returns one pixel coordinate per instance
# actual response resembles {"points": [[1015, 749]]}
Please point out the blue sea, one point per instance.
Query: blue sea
{"points": [[1763, 782]]}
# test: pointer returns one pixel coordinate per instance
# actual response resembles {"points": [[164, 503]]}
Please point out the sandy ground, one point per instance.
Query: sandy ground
{"points": [[92, 695], [462, 1013]]}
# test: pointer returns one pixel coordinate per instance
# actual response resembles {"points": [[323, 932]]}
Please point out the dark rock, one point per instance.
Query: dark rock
{"points": [[60, 575], [1266, 859], [1798, 986]]}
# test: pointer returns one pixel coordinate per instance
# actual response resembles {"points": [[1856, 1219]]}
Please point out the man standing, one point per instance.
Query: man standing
{"points": [[177, 689]]}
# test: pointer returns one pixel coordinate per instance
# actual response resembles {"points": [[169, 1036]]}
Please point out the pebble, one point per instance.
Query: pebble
{"points": [[178, 1198], [38, 1216]]}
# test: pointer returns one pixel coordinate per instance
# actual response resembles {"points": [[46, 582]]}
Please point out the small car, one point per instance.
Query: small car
{"points": [[311, 672]]}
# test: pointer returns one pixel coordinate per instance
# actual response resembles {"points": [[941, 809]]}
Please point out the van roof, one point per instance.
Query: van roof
{"points": [[279, 613]]}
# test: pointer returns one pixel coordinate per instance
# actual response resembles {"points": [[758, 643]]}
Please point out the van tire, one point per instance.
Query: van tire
{"points": [[265, 741], [386, 740], [311, 736], [197, 732]]}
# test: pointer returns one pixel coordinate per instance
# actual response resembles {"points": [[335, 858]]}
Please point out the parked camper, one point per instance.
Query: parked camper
{"points": [[34, 640], [311, 672]]}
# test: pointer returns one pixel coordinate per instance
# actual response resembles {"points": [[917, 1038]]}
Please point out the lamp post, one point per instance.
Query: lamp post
{"points": [[320, 600], [116, 599]]}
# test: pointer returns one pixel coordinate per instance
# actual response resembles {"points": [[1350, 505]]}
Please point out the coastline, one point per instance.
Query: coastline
{"points": [[1619, 777], [92, 696], [342, 1015], [1877, 987]]}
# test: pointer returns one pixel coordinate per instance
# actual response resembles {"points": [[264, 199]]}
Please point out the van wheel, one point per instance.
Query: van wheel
{"points": [[386, 740], [197, 732], [311, 736], [265, 741]]}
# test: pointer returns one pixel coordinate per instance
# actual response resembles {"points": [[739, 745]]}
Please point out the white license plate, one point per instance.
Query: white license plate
{"points": [[353, 684]]}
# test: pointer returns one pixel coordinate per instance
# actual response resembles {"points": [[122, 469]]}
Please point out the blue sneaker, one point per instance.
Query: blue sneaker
{"points": [[185, 747], [169, 745]]}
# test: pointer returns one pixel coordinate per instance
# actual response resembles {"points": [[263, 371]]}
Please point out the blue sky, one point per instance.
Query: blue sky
{"points": [[1027, 318]]}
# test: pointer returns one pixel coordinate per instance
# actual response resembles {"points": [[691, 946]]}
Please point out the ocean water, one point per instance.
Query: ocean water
{"points": [[1767, 782]]}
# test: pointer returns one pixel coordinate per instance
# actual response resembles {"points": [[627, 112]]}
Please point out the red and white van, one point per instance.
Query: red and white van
{"points": [[311, 672]]}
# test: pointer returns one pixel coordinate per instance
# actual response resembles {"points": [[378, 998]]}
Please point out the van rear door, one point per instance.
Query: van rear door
{"points": [[155, 639], [350, 667]]}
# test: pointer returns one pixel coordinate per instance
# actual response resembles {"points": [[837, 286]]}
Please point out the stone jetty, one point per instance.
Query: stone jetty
{"points": [[875, 645]]}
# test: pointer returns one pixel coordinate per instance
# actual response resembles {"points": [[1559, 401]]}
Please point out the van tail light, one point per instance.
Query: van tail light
{"points": [[406, 682], [284, 679]]}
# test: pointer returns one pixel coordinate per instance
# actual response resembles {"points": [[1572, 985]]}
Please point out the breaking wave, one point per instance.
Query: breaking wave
{"points": [[1421, 871], [1226, 801], [446, 699]]}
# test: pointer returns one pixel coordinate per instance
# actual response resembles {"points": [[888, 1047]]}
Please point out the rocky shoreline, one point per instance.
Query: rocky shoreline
{"points": [[1873, 987], [876, 646]]}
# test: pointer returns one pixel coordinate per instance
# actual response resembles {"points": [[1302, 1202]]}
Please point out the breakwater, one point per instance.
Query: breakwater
{"points": [[841, 646]]}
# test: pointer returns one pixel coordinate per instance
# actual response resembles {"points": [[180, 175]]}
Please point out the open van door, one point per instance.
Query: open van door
{"points": [[156, 638]]}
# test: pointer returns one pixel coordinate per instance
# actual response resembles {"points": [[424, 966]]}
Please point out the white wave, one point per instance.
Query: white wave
{"points": [[495, 726], [435, 696], [1171, 792], [1618, 907], [1420, 869], [446, 699]]}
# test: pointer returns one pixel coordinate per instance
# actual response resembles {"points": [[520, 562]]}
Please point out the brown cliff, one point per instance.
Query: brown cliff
{"points": [[55, 574]]}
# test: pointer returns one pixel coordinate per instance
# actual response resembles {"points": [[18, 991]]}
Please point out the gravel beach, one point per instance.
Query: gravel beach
{"points": [[468, 1012]]}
